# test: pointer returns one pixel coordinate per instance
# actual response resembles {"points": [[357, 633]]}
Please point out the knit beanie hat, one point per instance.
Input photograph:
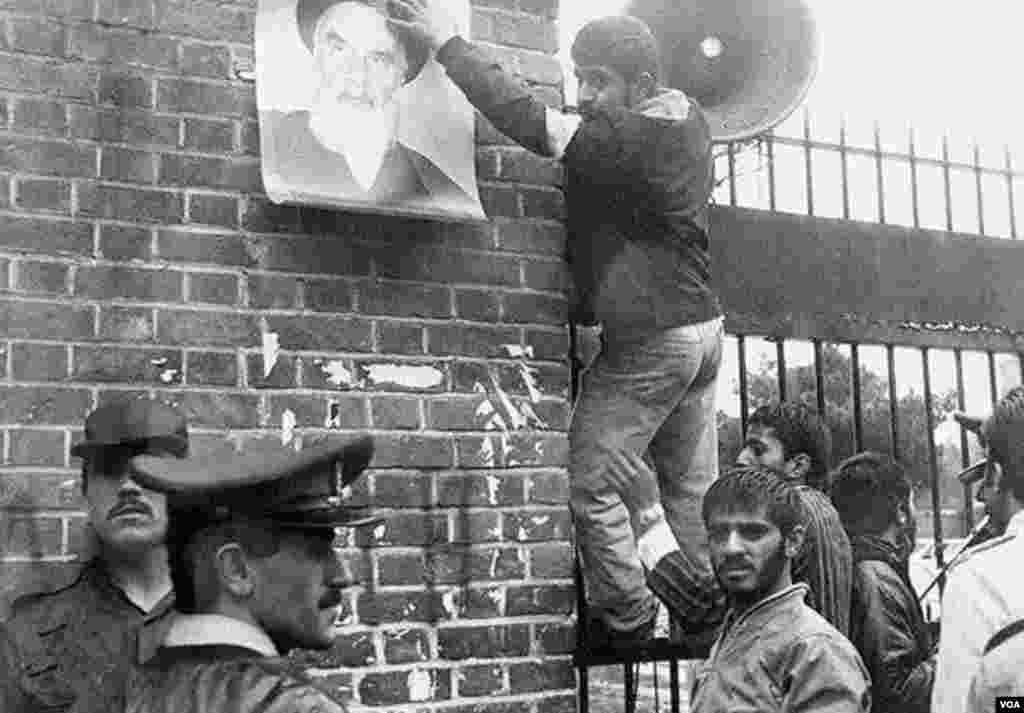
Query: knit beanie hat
{"points": [[624, 43]]}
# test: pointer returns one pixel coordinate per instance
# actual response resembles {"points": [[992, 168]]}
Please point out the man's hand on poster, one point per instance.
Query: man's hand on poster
{"points": [[424, 21], [635, 481]]}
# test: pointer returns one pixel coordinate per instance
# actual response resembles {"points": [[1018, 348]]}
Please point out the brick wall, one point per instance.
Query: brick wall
{"points": [[140, 258]]}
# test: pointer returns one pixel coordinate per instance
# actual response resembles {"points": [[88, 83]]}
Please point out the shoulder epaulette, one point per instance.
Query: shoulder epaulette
{"points": [[66, 579]]}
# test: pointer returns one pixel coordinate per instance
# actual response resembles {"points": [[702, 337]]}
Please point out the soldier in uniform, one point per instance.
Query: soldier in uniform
{"points": [[982, 595], [76, 641], [251, 546]]}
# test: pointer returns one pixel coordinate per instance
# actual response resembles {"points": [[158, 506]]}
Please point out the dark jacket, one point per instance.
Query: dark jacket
{"points": [[72, 644], [889, 630], [637, 187], [825, 563]]}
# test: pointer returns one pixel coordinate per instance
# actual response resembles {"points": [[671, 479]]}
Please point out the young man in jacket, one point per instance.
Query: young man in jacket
{"points": [[251, 549], [774, 652], [637, 159], [875, 501]]}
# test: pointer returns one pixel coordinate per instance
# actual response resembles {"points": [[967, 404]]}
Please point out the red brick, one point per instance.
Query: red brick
{"points": [[43, 405], [139, 128], [36, 35], [484, 642], [456, 414], [547, 203], [493, 707], [30, 536], [549, 345], [413, 377], [127, 165], [50, 237], [110, 45], [219, 410], [259, 215], [557, 704], [210, 172], [45, 320], [39, 362], [460, 564], [311, 255], [207, 328], [352, 650], [321, 333], [480, 602], [481, 305], [210, 135], [536, 308], [476, 527], [395, 412], [45, 277], [470, 376], [273, 291], [406, 529], [537, 525], [551, 600], [47, 157], [250, 138], [328, 295], [392, 687], [120, 282], [313, 410], [130, 204], [120, 242], [548, 488], [406, 646], [447, 266], [206, 60], [399, 338], [5, 183], [473, 453], [41, 116], [190, 96], [400, 568], [206, 19], [37, 447], [544, 275], [134, 13], [402, 299], [121, 89], [211, 368], [554, 414], [521, 166], [549, 379], [531, 66], [479, 490], [203, 248], [551, 561], [40, 490], [213, 210], [126, 324], [394, 607], [213, 288], [535, 676], [536, 237], [316, 373], [409, 489], [133, 366], [555, 639], [35, 75], [515, 29], [471, 340], [480, 681]]}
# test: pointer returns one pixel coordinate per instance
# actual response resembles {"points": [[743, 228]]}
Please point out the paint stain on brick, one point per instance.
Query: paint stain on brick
{"points": [[405, 375]]}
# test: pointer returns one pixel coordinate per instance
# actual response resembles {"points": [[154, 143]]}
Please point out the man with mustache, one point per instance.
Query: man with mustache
{"points": [[254, 565], [774, 652], [638, 177], [76, 642]]}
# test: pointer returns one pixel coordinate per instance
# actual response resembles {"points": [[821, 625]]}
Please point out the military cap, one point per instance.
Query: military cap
{"points": [[974, 473], [292, 489], [134, 423]]}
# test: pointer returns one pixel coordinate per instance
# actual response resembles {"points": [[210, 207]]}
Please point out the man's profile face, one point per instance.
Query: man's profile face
{"points": [[748, 552], [299, 596], [125, 516], [763, 448], [359, 60], [993, 496]]}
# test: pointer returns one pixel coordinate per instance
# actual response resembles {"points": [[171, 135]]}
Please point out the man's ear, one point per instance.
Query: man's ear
{"points": [[235, 572], [799, 466], [794, 541]]}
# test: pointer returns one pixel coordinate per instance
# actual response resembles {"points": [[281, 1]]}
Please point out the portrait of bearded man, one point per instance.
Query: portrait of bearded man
{"points": [[381, 128]]}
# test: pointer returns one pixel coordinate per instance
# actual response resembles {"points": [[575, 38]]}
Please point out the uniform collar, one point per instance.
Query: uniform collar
{"points": [[217, 629]]}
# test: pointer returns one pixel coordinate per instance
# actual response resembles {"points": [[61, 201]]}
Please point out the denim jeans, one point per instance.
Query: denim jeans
{"points": [[653, 395]]}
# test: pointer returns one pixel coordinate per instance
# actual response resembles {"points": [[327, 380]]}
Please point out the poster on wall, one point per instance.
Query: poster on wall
{"points": [[353, 118]]}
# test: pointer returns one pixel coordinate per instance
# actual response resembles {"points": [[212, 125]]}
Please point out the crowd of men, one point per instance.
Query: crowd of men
{"points": [[793, 575]]}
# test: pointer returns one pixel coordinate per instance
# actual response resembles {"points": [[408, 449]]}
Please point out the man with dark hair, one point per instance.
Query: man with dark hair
{"points": [[638, 177], [251, 546], [982, 595], [792, 440], [774, 653], [874, 498], [76, 642]]}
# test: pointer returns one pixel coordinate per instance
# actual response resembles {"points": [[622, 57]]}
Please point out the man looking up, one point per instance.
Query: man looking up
{"points": [[874, 498], [774, 652], [75, 642], [791, 439], [252, 557], [637, 159], [982, 595]]}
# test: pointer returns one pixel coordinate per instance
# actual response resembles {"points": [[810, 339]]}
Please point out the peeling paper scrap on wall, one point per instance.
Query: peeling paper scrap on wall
{"points": [[271, 347], [287, 427], [406, 375]]}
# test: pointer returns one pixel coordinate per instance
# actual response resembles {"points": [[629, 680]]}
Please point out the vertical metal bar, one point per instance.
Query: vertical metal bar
{"points": [[583, 688], [1020, 363], [673, 673], [807, 162], [770, 145], [894, 404], [946, 183], [858, 412], [965, 456], [879, 174], [1009, 191], [629, 683], [730, 150], [993, 384], [844, 168], [977, 184], [913, 181], [744, 397], [583, 679], [933, 462], [780, 355], [819, 378]]}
